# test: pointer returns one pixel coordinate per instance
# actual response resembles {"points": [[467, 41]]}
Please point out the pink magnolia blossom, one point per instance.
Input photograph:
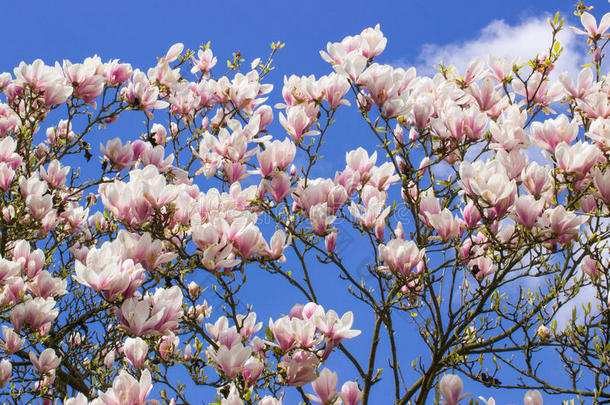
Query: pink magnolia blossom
{"points": [[217, 328], [471, 215], [560, 225], [592, 30], [601, 180], [552, 132], [144, 250], [248, 325], [88, 84], [135, 351], [383, 176], [205, 61], [335, 329], [116, 73], [6, 176], [325, 387], [12, 341], [330, 242], [482, 267], [278, 243], [297, 123], [168, 346], [217, 257], [401, 256], [359, 160], [6, 371], [373, 42], [533, 397], [536, 179], [126, 390], [320, 221], [8, 154], [374, 213], [445, 224], [154, 315], [514, 162], [109, 359], [490, 182], [599, 131], [578, 158], [36, 312], [46, 362], [350, 393], [590, 266], [283, 332], [528, 210], [507, 132], [451, 387], [141, 94], [9, 121], [299, 367], [55, 174], [278, 187], [47, 80], [8, 269], [596, 105], [267, 400], [230, 361], [228, 337], [538, 90], [80, 399], [44, 285], [106, 271], [174, 52], [248, 241], [120, 156], [277, 155], [486, 96], [584, 86], [252, 370], [334, 87]]}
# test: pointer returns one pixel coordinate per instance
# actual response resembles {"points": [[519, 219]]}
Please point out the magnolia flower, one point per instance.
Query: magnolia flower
{"points": [[350, 393], [126, 390], [12, 340], [299, 367], [80, 399], [6, 370], [267, 400], [46, 362], [533, 397], [543, 332], [451, 387], [252, 370], [230, 361], [37, 312], [579, 158], [155, 314], [335, 329], [135, 351], [592, 30], [325, 387], [552, 132], [401, 256], [560, 225]]}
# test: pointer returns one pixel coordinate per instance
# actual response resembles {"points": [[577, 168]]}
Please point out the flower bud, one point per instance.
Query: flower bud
{"points": [[543, 332]]}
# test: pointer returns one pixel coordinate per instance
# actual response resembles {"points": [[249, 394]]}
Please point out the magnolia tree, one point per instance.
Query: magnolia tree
{"points": [[484, 208]]}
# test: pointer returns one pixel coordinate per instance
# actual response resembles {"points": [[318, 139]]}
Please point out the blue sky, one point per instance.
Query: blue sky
{"points": [[419, 33]]}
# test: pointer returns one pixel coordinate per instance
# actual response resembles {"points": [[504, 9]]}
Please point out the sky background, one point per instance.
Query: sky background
{"points": [[420, 33]]}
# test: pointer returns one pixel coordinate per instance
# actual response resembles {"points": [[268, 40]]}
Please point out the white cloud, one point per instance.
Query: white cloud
{"points": [[531, 37]]}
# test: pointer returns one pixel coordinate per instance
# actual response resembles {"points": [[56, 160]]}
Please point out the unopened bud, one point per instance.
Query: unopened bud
{"points": [[544, 332]]}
